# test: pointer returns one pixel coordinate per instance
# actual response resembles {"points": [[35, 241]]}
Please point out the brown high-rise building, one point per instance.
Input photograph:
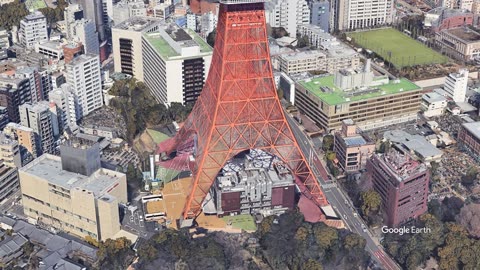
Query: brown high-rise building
{"points": [[402, 183], [70, 51]]}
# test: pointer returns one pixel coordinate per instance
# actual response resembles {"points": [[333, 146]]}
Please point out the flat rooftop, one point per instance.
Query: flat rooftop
{"points": [[137, 24], [473, 128], [49, 168], [166, 51], [465, 34], [335, 95]]}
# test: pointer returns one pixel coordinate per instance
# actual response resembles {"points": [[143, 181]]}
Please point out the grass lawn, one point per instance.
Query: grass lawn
{"points": [[157, 136], [244, 222], [33, 5], [397, 48]]}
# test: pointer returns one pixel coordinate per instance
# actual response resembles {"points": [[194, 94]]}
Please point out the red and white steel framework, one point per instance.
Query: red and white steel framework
{"points": [[239, 109]]}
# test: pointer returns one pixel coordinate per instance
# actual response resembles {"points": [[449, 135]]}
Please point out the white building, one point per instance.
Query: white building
{"points": [[208, 23], [83, 75], [288, 14], [33, 29], [39, 118], [466, 4], [84, 31], [316, 35], [179, 59], [163, 10], [433, 104], [72, 13], [456, 85], [51, 49], [4, 44], [333, 57], [127, 38], [66, 102], [359, 14], [124, 10], [192, 21]]}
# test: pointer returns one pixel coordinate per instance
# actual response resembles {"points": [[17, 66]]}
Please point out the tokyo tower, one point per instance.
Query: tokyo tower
{"points": [[238, 109]]}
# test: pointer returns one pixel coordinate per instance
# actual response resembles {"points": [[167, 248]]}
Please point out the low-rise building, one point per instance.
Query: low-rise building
{"points": [[254, 190], [469, 138], [442, 18], [331, 57], [462, 43], [370, 105], [316, 35], [433, 104], [73, 193], [10, 151], [352, 148], [402, 183], [413, 144]]}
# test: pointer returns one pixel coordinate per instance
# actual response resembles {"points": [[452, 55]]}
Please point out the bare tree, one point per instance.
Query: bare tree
{"points": [[469, 217]]}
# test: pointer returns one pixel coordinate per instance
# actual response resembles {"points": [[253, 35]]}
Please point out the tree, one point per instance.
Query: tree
{"points": [[311, 264], [469, 178], [279, 32], [54, 15], [469, 218], [371, 202], [91, 241], [115, 254], [211, 37], [303, 41], [327, 144], [12, 13], [280, 93], [384, 147]]}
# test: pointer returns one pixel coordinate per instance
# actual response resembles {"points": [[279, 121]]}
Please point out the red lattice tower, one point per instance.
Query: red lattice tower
{"points": [[238, 108]]}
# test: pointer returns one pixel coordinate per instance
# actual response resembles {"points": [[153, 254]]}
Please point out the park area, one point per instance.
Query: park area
{"points": [[397, 48]]}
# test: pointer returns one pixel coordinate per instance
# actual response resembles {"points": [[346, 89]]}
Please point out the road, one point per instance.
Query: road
{"points": [[339, 201]]}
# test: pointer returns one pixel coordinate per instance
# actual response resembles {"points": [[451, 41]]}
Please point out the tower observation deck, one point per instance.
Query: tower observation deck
{"points": [[238, 109]]}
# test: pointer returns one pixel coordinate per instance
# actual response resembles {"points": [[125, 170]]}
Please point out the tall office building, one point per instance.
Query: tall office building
{"points": [[84, 31], [359, 14], [127, 44], [288, 14], [402, 183], [176, 63], [107, 12], [13, 93], [73, 193], [66, 102], [72, 13], [456, 85], [33, 30], [93, 11], [4, 44], [39, 118], [83, 75], [320, 14]]}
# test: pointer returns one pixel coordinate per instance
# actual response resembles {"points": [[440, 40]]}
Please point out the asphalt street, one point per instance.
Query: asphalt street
{"points": [[341, 203]]}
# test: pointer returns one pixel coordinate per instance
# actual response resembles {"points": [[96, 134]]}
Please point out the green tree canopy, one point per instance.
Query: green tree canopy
{"points": [[371, 202], [12, 13]]}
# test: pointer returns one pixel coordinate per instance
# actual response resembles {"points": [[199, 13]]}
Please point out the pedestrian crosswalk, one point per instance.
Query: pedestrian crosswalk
{"points": [[329, 185]]}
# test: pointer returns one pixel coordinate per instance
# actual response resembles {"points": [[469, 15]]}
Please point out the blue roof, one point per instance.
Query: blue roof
{"points": [[357, 140]]}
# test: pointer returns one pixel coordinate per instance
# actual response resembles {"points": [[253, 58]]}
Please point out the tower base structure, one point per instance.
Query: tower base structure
{"points": [[238, 110]]}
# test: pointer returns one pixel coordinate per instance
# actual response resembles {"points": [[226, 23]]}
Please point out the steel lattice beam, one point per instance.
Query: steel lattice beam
{"points": [[238, 108]]}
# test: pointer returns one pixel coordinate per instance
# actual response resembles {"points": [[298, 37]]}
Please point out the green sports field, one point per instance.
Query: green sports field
{"points": [[397, 48]]}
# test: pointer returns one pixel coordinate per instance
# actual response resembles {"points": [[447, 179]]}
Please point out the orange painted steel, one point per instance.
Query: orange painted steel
{"points": [[239, 109]]}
